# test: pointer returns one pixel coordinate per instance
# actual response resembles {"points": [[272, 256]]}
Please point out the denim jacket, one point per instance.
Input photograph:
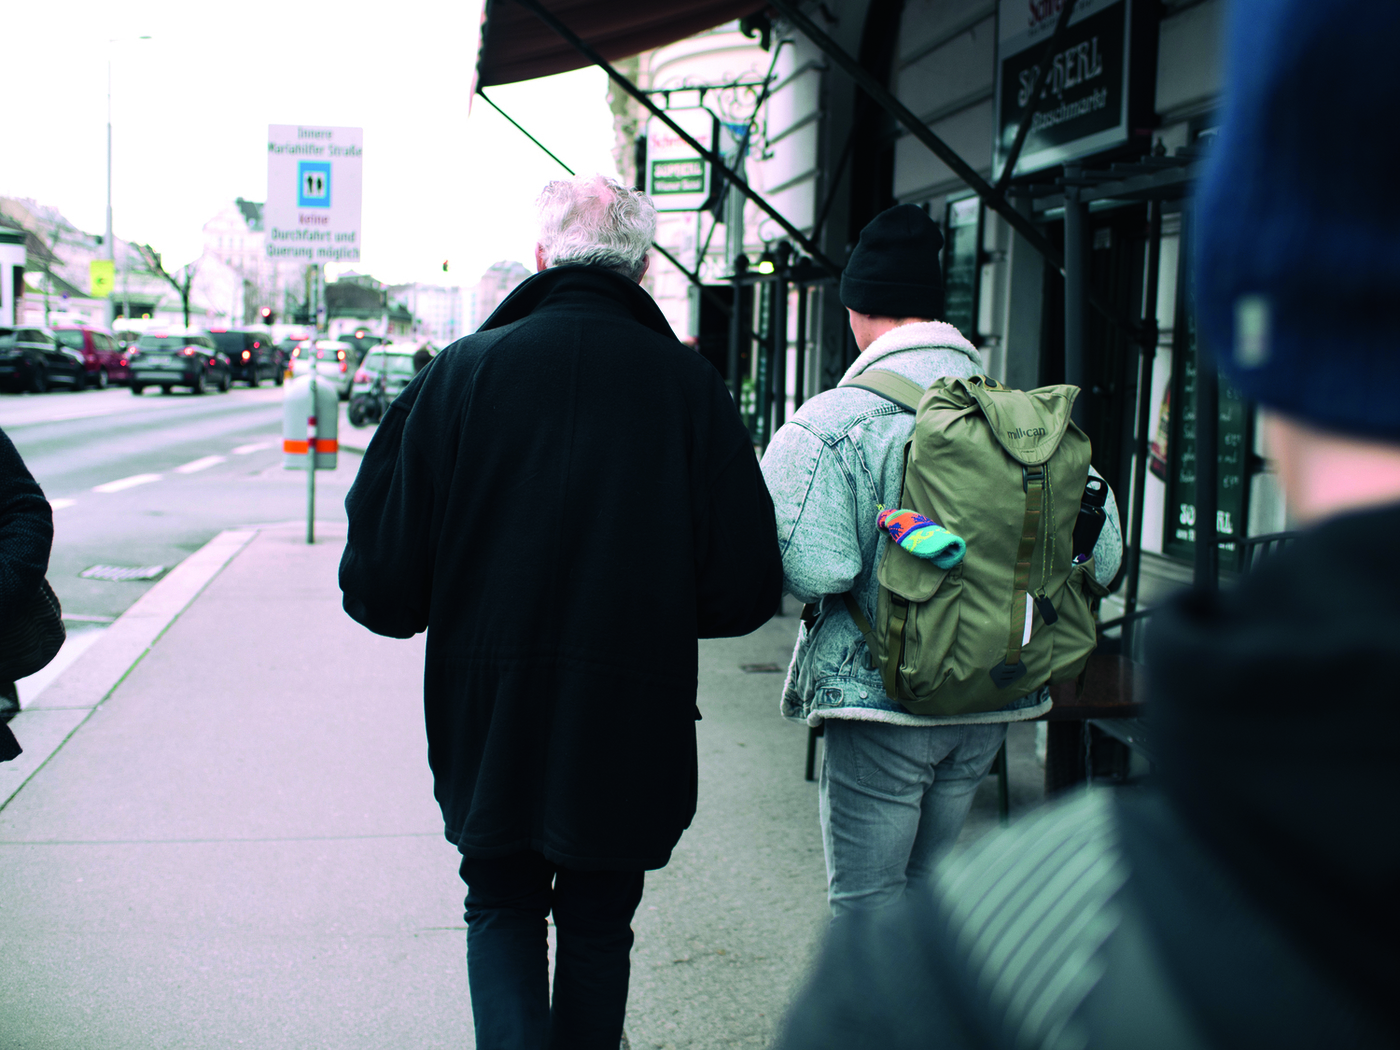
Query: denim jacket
{"points": [[829, 471]]}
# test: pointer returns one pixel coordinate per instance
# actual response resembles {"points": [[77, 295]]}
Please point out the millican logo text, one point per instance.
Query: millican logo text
{"points": [[1019, 434]]}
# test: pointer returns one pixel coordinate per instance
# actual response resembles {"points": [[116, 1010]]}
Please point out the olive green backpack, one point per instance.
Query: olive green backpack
{"points": [[1005, 470]]}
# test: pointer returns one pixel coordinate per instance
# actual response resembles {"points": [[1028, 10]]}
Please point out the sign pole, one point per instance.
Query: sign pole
{"points": [[311, 453]]}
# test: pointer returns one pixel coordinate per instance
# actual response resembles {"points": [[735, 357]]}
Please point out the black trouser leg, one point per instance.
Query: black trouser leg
{"points": [[593, 924]]}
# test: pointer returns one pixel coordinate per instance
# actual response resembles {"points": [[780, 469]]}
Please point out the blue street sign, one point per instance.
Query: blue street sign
{"points": [[313, 184]]}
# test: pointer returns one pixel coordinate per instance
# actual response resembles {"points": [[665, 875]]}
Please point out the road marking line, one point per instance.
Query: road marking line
{"points": [[59, 504], [127, 483], [257, 446], [200, 464]]}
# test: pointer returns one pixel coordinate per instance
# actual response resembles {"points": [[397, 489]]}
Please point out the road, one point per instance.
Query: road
{"points": [[145, 481]]}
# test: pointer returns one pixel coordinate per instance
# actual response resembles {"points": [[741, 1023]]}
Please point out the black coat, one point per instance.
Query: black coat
{"points": [[566, 501]]}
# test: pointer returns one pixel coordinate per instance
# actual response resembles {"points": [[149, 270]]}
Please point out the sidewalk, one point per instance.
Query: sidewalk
{"points": [[223, 833]]}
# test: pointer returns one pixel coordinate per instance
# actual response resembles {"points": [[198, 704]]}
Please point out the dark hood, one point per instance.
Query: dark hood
{"points": [[565, 286], [1276, 722]]}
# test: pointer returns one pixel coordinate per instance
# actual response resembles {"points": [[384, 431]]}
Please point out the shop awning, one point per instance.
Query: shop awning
{"points": [[516, 45]]}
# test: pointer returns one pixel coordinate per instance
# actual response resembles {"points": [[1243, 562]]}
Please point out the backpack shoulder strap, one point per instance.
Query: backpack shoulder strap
{"points": [[890, 385]]}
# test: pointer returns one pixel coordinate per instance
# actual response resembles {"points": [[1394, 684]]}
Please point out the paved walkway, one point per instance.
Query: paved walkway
{"points": [[223, 833]]}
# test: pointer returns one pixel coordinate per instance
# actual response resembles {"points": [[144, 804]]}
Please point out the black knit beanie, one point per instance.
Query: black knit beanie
{"points": [[894, 270]]}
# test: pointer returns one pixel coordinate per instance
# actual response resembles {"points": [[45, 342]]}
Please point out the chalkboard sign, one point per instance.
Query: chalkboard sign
{"points": [[960, 266], [1234, 442]]}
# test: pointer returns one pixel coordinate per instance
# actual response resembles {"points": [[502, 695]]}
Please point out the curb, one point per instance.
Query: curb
{"points": [[61, 709]]}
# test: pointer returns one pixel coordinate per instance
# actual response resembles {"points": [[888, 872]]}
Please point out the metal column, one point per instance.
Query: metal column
{"points": [[777, 341], [1146, 358], [800, 358], [738, 328], [1076, 285]]}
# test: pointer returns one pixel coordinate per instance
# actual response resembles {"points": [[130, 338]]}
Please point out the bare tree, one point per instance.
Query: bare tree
{"points": [[181, 285]]}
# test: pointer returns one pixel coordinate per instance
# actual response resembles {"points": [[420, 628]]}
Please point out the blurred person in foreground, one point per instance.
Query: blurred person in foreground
{"points": [[1247, 897], [26, 536], [566, 500]]}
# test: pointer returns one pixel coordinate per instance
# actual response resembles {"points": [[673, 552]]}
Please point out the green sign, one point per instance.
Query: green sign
{"points": [[677, 176]]}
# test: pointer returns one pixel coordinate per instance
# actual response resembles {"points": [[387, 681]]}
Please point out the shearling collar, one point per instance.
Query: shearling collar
{"points": [[920, 335]]}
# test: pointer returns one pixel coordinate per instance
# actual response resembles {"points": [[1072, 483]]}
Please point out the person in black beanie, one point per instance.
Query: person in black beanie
{"points": [[1245, 897], [895, 787]]}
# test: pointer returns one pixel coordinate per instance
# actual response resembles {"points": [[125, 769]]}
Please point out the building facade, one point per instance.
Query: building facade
{"points": [[436, 311], [1127, 107], [495, 284]]}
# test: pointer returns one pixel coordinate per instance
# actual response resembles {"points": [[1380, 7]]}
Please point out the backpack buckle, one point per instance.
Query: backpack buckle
{"points": [[1029, 474]]}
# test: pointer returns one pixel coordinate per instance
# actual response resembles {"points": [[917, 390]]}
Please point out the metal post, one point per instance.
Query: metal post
{"points": [[738, 326], [800, 364], [763, 350], [107, 244], [778, 338], [1146, 358], [1076, 282], [311, 453]]}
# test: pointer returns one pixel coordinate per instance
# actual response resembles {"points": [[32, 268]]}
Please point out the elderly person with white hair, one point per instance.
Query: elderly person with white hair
{"points": [[566, 501]]}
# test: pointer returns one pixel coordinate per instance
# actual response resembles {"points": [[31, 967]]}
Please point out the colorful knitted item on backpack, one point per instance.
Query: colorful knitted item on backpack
{"points": [[922, 538]]}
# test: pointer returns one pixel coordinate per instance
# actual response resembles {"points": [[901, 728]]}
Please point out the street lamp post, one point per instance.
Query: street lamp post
{"points": [[108, 242]]}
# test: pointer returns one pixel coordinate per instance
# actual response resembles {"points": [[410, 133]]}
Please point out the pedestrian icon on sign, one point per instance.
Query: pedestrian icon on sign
{"points": [[313, 184]]}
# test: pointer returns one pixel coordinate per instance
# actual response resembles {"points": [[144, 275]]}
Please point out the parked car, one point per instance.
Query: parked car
{"points": [[334, 361], [395, 361], [170, 359], [362, 342], [32, 358], [103, 360], [251, 354]]}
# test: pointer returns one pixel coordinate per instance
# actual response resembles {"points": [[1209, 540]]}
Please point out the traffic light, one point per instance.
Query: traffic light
{"points": [[266, 315], [444, 266]]}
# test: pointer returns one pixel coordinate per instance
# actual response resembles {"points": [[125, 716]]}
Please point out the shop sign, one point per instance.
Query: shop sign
{"points": [[678, 178], [1084, 103]]}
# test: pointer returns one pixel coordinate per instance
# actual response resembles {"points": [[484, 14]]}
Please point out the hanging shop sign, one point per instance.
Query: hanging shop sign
{"points": [[1098, 89], [678, 178], [313, 193]]}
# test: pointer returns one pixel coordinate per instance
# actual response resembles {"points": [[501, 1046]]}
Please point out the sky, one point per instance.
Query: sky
{"points": [[191, 106]]}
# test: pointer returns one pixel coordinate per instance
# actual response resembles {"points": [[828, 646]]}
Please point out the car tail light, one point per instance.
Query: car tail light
{"points": [[122, 362], [296, 352], [213, 361], [247, 354], [340, 355], [344, 367], [361, 376], [188, 351], [256, 344]]}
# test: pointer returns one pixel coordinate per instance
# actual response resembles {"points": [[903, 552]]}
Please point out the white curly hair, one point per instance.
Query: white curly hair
{"points": [[593, 219]]}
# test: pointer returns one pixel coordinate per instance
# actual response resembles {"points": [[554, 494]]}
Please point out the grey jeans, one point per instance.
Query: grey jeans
{"points": [[893, 800]]}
